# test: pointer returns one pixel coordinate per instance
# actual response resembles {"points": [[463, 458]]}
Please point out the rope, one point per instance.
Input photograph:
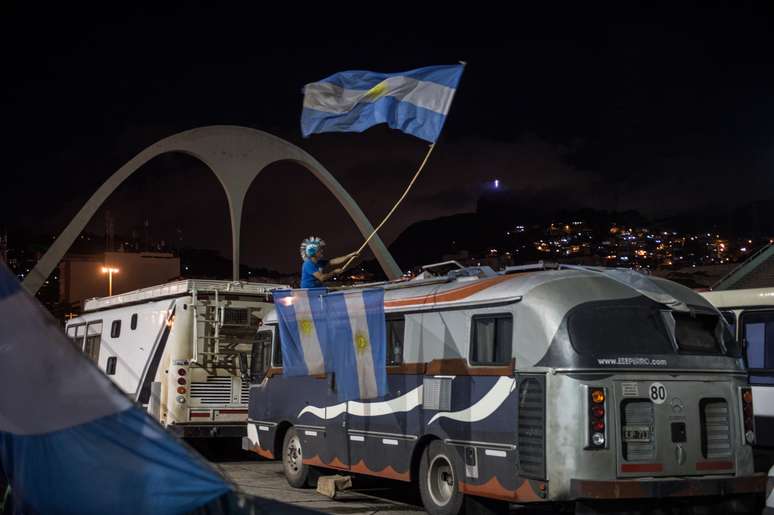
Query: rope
{"points": [[413, 180]]}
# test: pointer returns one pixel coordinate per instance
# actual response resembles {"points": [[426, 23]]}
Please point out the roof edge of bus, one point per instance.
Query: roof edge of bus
{"points": [[177, 288]]}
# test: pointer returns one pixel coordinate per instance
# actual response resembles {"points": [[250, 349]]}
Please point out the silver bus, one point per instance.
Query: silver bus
{"points": [[532, 385]]}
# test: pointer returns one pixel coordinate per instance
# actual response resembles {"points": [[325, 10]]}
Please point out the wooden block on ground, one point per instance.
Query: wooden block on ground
{"points": [[329, 485]]}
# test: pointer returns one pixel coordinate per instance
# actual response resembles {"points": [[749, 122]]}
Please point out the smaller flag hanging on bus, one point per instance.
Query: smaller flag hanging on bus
{"points": [[357, 326], [303, 331]]}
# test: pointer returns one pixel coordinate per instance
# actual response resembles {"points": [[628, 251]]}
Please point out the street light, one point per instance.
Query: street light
{"points": [[110, 271]]}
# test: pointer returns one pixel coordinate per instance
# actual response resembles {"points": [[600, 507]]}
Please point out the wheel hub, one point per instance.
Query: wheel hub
{"points": [[440, 480], [294, 453]]}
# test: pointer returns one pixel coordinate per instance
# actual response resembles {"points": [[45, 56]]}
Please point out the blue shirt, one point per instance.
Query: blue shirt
{"points": [[308, 280]]}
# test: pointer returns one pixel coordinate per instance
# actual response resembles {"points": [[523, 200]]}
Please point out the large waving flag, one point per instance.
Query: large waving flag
{"points": [[303, 331], [415, 102], [70, 441], [357, 331]]}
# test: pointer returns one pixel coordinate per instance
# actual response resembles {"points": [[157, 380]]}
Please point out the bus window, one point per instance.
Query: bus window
{"points": [[133, 323], [491, 339], [698, 333], [260, 358], [80, 332], [115, 329], [277, 352], [758, 330], [93, 338], [602, 327], [395, 330]]}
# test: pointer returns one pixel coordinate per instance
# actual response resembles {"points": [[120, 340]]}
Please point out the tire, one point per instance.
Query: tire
{"points": [[297, 474], [439, 481]]}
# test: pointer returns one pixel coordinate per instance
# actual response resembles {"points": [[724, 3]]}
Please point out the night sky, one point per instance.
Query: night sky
{"points": [[664, 111]]}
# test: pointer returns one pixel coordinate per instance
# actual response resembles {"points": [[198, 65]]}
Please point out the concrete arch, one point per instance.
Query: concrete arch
{"points": [[236, 155]]}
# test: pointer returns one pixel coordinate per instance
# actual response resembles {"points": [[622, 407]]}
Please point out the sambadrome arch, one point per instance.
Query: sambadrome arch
{"points": [[236, 155]]}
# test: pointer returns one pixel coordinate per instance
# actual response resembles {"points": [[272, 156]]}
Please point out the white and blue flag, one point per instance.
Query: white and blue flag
{"points": [[415, 102], [357, 330], [303, 331]]}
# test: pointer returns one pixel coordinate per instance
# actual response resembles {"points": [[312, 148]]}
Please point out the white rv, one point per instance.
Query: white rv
{"points": [[751, 314], [181, 349]]}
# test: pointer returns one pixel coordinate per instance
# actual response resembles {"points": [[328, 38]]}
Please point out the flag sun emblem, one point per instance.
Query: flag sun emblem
{"points": [[361, 342], [306, 326]]}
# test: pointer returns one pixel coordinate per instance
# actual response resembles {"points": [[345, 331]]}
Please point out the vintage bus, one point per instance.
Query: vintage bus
{"points": [[751, 315], [530, 385], [181, 349]]}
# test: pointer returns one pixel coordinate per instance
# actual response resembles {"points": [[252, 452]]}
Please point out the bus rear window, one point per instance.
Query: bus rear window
{"points": [[698, 333], [619, 327], [640, 326]]}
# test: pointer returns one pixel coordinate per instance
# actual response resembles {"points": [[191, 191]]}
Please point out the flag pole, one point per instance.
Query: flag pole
{"points": [[408, 188], [413, 180]]}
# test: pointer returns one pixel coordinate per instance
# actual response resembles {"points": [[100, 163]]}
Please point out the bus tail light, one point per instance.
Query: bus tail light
{"points": [[181, 389], [596, 417], [747, 415]]}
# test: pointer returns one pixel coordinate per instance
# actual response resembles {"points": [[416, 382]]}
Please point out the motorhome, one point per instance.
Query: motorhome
{"points": [[751, 315], [530, 385], [181, 349]]}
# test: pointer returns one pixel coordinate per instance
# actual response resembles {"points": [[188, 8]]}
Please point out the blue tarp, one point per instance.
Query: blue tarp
{"points": [[70, 441]]}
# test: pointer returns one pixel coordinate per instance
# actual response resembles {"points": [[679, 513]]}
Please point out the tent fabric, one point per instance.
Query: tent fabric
{"points": [[123, 464], [70, 441], [46, 383]]}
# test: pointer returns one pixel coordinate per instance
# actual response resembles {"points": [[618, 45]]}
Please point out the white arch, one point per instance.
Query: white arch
{"points": [[236, 155]]}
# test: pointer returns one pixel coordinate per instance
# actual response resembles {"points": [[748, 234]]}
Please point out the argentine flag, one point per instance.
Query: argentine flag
{"points": [[70, 441], [303, 331], [357, 333], [415, 102]]}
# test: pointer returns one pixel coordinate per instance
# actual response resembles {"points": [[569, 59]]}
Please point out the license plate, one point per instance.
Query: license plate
{"points": [[636, 433]]}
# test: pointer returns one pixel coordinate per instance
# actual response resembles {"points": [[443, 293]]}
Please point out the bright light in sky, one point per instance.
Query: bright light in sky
{"points": [[497, 183]]}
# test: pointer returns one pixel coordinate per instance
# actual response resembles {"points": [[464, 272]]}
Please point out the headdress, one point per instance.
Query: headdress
{"points": [[311, 246]]}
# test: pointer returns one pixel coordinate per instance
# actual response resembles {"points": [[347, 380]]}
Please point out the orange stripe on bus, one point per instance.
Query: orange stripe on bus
{"points": [[390, 473], [451, 295]]}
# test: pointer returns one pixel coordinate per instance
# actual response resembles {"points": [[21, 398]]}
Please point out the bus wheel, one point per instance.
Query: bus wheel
{"points": [[438, 480], [296, 472]]}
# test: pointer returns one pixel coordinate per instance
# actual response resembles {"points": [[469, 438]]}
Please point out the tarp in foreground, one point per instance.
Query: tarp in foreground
{"points": [[70, 441]]}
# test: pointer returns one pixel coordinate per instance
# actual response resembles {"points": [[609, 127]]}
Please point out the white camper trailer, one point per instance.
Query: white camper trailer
{"points": [[751, 314], [181, 349]]}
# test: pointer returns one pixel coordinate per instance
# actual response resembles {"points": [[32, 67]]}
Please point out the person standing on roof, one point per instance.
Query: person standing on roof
{"points": [[313, 272]]}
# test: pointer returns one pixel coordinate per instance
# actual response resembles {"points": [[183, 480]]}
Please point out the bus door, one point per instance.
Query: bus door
{"points": [[260, 362], [337, 422], [386, 438], [757, 331]]}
